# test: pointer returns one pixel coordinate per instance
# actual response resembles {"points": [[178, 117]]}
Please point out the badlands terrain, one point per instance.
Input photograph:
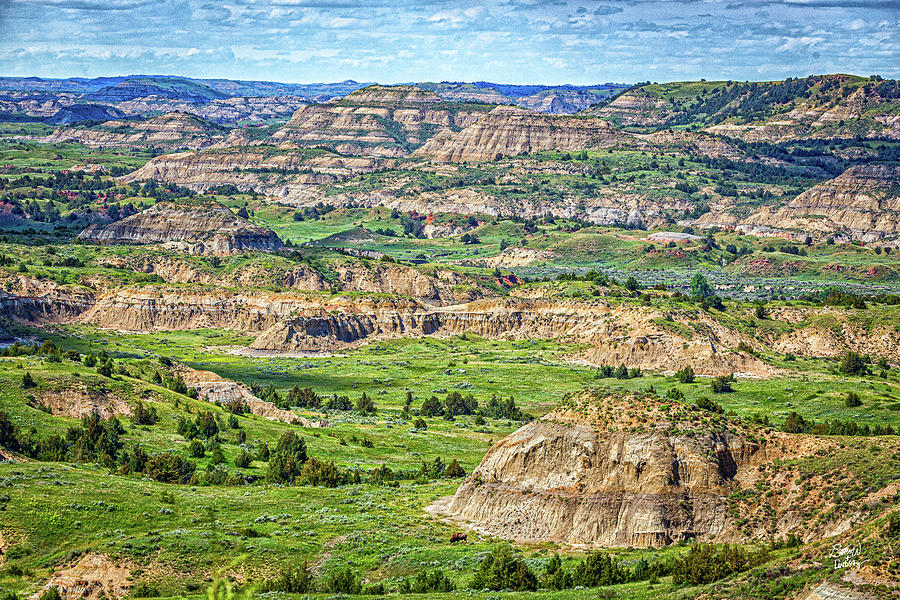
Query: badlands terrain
{"points": [[446, 340]]}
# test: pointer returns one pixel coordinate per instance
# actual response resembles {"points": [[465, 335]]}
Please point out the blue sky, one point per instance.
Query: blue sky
{"points": [[510, 41]]}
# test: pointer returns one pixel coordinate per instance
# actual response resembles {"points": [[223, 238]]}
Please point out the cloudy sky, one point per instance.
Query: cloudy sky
{"points": [[511, 41]]}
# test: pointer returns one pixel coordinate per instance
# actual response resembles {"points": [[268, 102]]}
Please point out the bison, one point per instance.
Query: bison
{"points": [[459, 537]]}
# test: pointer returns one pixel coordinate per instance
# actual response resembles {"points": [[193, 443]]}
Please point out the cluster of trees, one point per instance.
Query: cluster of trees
{"points": [[620, 372], [504, 569], [308, 398], [95, 440], [46, 349], [455, 404], [795, 423], [313, 212], [853, 363]]}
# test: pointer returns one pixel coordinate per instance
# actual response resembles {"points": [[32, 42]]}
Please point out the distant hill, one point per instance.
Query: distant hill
{"points": [[819, 106], [141, 87], [545, 98], [176, 87], [562, 99], [84, 112]]}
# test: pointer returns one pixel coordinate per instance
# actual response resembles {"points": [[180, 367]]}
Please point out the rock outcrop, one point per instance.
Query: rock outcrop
{"points": [[214, 388], [201, 228], [862, 203], [507, 131], [603, 470], [93, 577], [375, 121]]}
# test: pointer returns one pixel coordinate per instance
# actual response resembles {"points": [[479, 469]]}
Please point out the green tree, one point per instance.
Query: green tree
{"points": [[700, 287]]}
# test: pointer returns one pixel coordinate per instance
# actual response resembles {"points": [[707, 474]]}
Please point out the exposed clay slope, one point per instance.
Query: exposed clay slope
{"points": [[295, 321], [93, 577], [637, 471], [213, 388], [438, 286], [170, 131], [80, 400], [509, 131], [207, 228], [862, 203], [253, 168]]}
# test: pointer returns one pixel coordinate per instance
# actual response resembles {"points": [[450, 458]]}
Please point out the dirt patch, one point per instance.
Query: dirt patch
{"points": [[79, 402], [93, 576]]}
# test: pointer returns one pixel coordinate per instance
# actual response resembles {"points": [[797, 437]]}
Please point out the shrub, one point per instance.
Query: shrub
{"points": [[206, 424], [431, 407], [503, 570], [365, 405], [555, 577], [700, 288], [28, 382], [291, 580], [795, 424], [722, 384], [286, 462], [51, 593], [321, 473], [344, 581], [597, 569], [303, 397], [144, 415], [454, 470], [196, 449], [705, 403], [142, 589], [675, 394], [243, 459], [704, 564], [456, 404], [853, 364], [169, 467], [426, 582], [420, 423], [685, 375], [852, 400]]}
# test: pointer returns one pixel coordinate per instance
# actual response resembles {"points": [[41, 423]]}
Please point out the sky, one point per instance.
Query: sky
{"points": [[506, 41]]}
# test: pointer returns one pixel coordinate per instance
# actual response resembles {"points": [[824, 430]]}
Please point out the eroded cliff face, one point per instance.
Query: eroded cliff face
{"points": [[207, 228], [383, 121], [507, 131], [170, 131], [251, 168], [602, 470], [390, 301], [862, 203]]}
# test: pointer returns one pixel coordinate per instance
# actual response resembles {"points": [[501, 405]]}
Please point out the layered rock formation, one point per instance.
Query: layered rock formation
{"points": [[207, 228], [249, 168], [637, 471], [375, 121], [862, 203], [170, 131], [509, 131]]}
